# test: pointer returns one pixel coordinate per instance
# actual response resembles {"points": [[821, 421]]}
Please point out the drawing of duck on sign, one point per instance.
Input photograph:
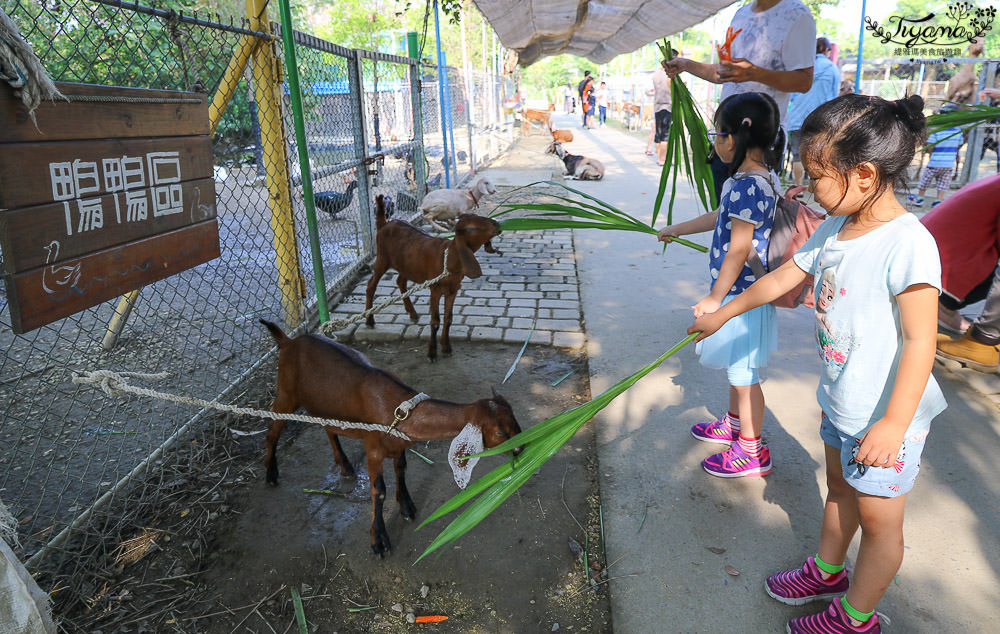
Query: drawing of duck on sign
{"points": [[67, 275]]}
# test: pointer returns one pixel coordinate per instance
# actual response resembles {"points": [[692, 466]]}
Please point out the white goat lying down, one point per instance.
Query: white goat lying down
{"points": [[447, 204], [578, 167]]}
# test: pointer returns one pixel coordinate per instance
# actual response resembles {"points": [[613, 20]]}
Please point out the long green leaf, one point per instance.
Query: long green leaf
{"points": [[538, 450]]}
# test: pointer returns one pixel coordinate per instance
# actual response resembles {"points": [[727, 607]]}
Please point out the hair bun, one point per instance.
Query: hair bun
{"points": [[911, 111]]}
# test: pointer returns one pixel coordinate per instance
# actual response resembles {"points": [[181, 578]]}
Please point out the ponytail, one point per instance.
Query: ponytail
{"points": [[752, 118]]}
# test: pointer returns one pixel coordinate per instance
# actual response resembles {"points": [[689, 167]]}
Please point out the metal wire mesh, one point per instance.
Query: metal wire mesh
{"points": [[64, 447]]}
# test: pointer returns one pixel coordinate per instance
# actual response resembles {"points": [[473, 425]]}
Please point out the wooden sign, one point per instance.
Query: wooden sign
{"points": [[112, 191]]}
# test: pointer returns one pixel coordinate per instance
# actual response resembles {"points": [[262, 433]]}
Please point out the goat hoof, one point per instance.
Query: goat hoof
{"points": [[408, 511], [370, 324], [414, 318]]}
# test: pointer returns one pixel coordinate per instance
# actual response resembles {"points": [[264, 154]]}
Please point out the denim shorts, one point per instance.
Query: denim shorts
{"points": [[888, 482]]}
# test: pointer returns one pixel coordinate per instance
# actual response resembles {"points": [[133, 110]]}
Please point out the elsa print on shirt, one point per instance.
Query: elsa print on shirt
{"points": [[834, 344]]}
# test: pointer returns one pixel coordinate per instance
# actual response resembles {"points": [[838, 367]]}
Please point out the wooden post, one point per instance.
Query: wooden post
{"points": [[268, 91]]}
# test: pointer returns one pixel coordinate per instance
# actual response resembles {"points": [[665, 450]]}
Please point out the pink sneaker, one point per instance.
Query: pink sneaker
{"points": [[718, 431], [737, 463], [805, 584], [833, 620]]}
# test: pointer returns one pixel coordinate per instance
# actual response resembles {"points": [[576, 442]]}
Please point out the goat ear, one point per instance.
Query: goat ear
{"points": [[469, 262]]}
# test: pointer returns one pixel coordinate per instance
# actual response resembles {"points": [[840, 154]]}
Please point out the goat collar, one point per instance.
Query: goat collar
{"points": [[475, 201], [403, 409]]}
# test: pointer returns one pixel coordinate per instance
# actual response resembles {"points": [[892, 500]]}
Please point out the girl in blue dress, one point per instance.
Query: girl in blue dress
{"points": [[747, 132]]}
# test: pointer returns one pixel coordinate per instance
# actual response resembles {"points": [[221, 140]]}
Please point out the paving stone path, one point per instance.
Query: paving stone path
{"points": [[530, 290]]}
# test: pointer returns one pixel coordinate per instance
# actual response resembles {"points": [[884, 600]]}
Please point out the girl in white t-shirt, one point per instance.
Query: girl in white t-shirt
{"points": [[880, 276]]}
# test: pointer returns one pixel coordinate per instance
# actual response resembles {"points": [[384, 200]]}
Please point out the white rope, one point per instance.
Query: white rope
{"points": [[116, 382], [22, 69], [330, 327]]}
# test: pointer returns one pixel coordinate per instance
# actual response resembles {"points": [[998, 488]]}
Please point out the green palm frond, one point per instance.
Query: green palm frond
{"points": [[965, 118], [582, 215], [687, 143], [540, 443]]}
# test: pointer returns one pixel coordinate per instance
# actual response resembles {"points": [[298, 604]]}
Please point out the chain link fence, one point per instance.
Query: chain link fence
{"points": [[82, 471]]}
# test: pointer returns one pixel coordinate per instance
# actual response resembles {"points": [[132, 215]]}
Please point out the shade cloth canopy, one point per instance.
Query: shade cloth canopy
{"points": [[596, 29]]}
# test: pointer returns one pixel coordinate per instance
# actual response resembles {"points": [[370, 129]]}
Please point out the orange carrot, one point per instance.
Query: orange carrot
{"points": [[431, 619], [725, 54]]}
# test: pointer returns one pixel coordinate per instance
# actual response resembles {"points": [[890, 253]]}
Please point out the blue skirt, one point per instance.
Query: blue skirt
{"points": [[745, 341]]}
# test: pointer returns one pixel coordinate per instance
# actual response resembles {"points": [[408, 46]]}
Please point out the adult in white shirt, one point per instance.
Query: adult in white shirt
{"points": [[774, 53]]}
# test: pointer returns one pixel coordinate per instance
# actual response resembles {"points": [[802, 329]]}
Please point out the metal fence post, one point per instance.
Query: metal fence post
{"points": [[356, 92], [974, 147], [419, 171], [267, 84]]}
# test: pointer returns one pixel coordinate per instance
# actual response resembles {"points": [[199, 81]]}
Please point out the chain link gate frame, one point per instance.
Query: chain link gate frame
{"points": [[80, 470]]}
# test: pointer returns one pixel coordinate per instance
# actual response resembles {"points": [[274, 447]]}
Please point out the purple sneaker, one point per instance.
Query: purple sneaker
{"points": [[718, 431], [805, 584], [833, 620], [736, 463]]}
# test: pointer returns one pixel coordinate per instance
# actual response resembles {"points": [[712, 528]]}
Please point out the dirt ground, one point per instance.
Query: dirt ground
{"points": [[515, 572]]}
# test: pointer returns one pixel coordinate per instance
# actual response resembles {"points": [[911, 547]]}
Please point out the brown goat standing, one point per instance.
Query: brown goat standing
{"points": [[330, 380], [418, 257]]}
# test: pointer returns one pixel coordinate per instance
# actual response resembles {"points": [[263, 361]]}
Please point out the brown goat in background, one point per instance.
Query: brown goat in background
{"points": [[330, 380], [417, 257]]}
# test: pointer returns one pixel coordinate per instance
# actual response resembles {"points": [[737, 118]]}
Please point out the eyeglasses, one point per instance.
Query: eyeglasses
{"points": [[712, 134]]}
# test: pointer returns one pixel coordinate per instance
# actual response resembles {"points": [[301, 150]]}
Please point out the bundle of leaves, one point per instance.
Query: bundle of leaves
{"points": [[687, 143]]}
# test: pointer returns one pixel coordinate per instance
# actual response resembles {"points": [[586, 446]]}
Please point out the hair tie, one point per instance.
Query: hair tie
{"points": [[747, 121]]}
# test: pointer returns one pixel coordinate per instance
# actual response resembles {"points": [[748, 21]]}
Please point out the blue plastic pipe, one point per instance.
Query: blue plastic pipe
{"points": [[861, 41], [441, 96]]}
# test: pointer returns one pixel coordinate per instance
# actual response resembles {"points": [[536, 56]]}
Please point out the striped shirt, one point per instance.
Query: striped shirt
{"points": [[943, 154]]}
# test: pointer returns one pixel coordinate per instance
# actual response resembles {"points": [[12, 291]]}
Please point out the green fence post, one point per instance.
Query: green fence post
{"points": [[416, 103], [300, 141]]}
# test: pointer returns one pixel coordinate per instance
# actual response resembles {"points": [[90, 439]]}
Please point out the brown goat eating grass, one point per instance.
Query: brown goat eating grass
{"points": [[330, 380], [417, 257]]}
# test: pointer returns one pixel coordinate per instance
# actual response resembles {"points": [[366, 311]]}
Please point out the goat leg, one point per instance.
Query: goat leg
{"points": [[406, 506], [401, 284], [378, 270], [271, 446], [435, 323], [346, 468], [380, 538], [449, 305]]}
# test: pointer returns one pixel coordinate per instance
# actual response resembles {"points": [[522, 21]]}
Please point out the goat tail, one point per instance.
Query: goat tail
{"points": [[379, 212], [276, 332]]}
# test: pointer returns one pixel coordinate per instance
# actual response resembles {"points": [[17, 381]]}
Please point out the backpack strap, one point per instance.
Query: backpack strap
{"points": [[753, 260]]}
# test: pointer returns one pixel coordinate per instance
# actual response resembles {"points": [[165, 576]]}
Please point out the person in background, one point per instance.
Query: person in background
{"points": [[661, 112], [579, 89], [773, 53], [966, 228], [825, 86], [567, 93], [602, 103], [941, 165], [589, 102]]}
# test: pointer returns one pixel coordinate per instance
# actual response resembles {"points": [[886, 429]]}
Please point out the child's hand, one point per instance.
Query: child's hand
{"points": [[706, 325], [667, 234], [880, 445], [705, 306]]}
